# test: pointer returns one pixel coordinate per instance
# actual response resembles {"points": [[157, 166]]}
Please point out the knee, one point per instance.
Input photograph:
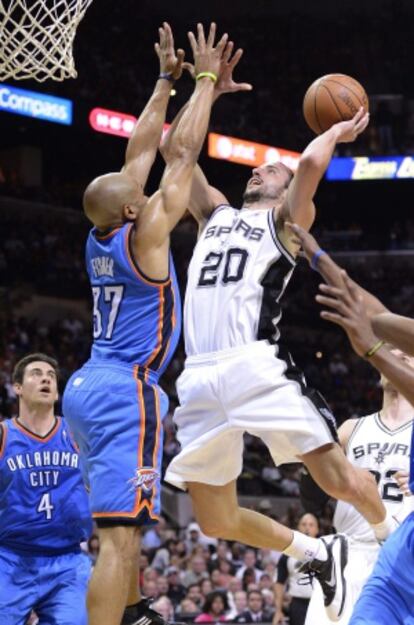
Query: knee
{"points": [[122, 542]]}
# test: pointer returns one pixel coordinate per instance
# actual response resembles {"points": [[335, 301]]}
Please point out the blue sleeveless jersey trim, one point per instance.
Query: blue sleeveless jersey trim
{"points": [[136, 320]]}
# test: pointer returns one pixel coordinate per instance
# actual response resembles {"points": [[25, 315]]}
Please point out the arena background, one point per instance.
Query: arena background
{"points": [[365, 220]]}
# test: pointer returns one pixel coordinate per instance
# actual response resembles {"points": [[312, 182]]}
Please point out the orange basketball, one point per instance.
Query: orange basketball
{"points": [[331, 99]]}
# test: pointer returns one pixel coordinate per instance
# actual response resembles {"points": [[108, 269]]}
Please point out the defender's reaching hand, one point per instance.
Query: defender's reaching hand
{"points": [[207, 58], [171, 62]]}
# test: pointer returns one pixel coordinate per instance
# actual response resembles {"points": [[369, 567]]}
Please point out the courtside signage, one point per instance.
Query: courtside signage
{"points": [[38, 105], [371, 168], [219, 146], [248, 152], [113, 122]]}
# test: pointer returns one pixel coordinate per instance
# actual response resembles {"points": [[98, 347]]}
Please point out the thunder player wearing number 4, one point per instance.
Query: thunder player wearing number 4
{"points": [[44, 509], [238, 377]]}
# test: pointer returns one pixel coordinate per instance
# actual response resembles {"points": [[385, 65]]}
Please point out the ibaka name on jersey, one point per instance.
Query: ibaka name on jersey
{"points": [[239, 225], [102, 266], [33, 460]]}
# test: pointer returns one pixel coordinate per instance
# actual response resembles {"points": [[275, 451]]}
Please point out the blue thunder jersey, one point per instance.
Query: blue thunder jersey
{"points": [[137, 320], [44, 507], [412, 463]]}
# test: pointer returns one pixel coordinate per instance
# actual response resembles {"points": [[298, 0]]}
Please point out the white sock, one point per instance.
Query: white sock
{"points": [[385, 528], [306, 548]]}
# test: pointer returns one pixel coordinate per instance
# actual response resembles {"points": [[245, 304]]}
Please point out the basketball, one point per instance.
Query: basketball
{"points": [[331, 99]]}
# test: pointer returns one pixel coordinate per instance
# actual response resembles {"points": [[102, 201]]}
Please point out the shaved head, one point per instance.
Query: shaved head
{"points": [[106, 198]]}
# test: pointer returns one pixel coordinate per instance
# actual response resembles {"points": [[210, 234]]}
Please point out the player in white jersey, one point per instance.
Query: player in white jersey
{"points": [[381, 443], [387, 597], [237, 377]]}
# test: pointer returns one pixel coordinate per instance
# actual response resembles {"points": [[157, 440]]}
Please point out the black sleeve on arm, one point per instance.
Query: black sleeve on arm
{"points": [[282, 570], [1, 437], [312, 497]]}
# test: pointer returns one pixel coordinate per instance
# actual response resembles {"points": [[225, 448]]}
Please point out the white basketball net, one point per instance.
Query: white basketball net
{"points": [[36, 38]]}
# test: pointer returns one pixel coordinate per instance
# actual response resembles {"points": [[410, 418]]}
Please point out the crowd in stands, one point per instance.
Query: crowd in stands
{"points": [[193, 578]]}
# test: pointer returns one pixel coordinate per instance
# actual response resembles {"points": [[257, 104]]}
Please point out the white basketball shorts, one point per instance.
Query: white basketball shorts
{"points": [[253, 388]]}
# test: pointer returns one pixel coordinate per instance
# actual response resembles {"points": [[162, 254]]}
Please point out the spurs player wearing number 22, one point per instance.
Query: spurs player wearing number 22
{"points": [[380, 442], [237, 376], [44, 508]]}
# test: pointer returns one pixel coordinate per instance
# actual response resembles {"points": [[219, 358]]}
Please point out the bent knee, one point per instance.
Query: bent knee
{"points": [[122, 539]]}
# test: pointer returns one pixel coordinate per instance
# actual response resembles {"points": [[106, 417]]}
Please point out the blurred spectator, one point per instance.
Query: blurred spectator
{"points": [[164, 606], [237, 602], [153, 537], [249, 564], [214, 609], [176, 590], [256, 611], [196, 572], [188, 610]]}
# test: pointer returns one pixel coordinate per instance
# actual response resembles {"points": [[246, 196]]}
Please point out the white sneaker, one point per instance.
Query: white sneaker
{"points": [[330, 574]]}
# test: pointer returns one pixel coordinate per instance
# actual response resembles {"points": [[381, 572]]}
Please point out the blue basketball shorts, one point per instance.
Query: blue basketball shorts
{"points": [[54, 586], [388, 596], [115, 413]]}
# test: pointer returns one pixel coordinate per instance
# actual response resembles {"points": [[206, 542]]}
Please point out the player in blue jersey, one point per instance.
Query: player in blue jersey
{"points": [[388, 596], [44, 509], [114, 403]]}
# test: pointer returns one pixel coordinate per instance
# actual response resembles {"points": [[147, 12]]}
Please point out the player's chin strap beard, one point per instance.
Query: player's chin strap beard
{"points": [[251, 196]]}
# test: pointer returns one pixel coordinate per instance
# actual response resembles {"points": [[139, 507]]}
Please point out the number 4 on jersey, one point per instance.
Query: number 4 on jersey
{"points": [[45, 505]]}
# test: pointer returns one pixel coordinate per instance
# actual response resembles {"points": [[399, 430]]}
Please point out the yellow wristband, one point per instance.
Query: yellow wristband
{"points": [[210, 75], [374, 349]]}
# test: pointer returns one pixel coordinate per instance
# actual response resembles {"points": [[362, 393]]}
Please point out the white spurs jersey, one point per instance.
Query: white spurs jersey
{"points": [[236, 278], [382, 451]]}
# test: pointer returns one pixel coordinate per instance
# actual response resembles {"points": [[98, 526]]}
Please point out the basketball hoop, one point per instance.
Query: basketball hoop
{"points": [[36, 38]]}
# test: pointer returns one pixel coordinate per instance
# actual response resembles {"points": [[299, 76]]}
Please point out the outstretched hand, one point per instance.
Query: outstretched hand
{"points": [[207, 58], [348, 131], [225, 82], [171, 62], [347, 309]]}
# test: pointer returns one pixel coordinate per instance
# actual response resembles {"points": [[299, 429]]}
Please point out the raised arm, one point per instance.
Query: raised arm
{"points": [[395, 329], [313, 163], [168, 205], [346, 308], [204, 198], [144, 142], [331, 272]]}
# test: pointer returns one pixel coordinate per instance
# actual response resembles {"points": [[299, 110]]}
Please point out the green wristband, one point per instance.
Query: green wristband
{"points": [[210, 75], [374, 349]]}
